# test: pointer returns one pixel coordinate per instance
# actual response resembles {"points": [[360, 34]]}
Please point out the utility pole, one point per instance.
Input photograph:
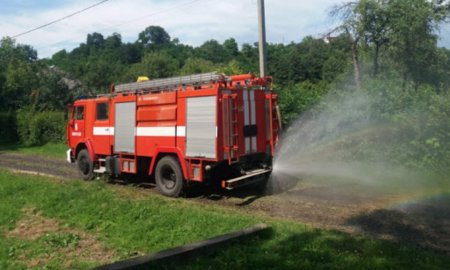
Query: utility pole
{"points": [[262, 38]]}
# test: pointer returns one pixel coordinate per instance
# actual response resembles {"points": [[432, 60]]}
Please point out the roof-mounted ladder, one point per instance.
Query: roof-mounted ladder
{"points": [[159, 84]]}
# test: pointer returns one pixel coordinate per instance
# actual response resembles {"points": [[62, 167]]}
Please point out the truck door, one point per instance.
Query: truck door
{"points": [[102, 130], [77, 127]]}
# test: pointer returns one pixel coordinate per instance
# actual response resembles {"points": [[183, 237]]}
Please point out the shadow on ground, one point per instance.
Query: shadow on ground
{"points": [[316, 249], [425, 223], [249, 194]]}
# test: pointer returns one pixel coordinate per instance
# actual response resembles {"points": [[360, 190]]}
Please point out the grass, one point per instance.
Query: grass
{"points": [[127, 223], [124, 224], [293, 247], [52, 150]]}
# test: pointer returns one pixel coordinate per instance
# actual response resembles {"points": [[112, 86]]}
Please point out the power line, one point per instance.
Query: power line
{"points": [[134, 20], [157, 13], [60, 19]]}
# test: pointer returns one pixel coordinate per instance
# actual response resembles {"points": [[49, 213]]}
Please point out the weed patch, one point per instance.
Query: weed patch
{"points": [[42, 241]]}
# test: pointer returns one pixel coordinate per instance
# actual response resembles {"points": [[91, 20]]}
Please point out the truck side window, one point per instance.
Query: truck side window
{"points": [[80, 113], [102, 111]]}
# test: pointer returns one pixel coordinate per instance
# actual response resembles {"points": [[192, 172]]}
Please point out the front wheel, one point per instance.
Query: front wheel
{"points": [[85, 165], [168, 176]]}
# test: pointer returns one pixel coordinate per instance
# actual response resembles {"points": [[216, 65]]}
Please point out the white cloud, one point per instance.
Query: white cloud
{"points": [[192, 23]]}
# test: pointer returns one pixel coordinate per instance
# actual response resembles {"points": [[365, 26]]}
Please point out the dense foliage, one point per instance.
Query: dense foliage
{"points": [[387, 48], [38, 128]]}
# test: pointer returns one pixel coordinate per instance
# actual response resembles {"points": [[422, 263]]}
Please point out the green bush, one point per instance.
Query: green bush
{"points": [[403, 123], [38, 128], [421, 115], [386, 121], [8, 129], [298, 98]]}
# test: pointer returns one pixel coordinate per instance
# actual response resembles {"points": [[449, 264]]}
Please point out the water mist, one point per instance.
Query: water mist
{"points": [[345, 140]]}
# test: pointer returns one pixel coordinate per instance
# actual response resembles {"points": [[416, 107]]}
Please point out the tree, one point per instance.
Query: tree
{"points": [[99, 74], [114, 41], [52, 93], [412, 38], [197, 65], [350, 26], [374, 26], [296, 99], [212, 50], [231, 48], [130, 53], [95, 41], [405, 28], [300, 62], [154, 65], [18, 77], [9, 51], [249, 57], [233, 67], [154, 35], [20, 80]]}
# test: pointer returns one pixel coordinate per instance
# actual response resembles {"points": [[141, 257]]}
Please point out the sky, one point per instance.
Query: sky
{"points": [[191, 21]]}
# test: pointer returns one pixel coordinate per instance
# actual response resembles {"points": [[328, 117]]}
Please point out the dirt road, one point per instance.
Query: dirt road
{"points": [[342, 206]]}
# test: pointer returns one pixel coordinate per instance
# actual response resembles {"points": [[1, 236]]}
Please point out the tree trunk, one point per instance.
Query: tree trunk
{"points": [[375, 60], [355, 60]]}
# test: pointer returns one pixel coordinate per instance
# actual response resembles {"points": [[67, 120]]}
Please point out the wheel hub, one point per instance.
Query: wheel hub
{"points": [[169, 177]]}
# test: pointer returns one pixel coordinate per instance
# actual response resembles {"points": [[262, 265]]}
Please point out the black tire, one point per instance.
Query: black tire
{"points": [[85, 165], [168, 176]]}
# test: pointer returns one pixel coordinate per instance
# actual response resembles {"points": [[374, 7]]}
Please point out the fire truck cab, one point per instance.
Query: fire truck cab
{"points": [[199, 128]]}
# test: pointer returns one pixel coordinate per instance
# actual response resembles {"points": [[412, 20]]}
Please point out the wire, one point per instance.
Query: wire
{"points": [[157, 13], [132, 20], [60, 19]]}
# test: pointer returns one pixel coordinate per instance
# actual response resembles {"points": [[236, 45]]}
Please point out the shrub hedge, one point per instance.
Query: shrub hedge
{"points": [[38, 128], [8, 127]]}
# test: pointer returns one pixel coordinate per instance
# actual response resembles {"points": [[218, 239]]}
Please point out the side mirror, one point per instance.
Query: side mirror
{"points": [[67, 111]]}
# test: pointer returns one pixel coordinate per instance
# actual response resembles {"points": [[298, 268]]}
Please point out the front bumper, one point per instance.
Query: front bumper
{"points": [[69, 156]]}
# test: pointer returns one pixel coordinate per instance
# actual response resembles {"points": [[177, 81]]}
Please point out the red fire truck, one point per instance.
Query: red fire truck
{"points": [[201, 128]]}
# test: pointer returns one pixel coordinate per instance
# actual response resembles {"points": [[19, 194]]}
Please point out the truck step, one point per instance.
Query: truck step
{"points": [[249, 177], [100, 170]]}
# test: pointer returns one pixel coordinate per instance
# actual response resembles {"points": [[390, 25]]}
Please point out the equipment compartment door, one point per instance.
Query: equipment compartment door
{"points": [[201, 127], [125, 127]]}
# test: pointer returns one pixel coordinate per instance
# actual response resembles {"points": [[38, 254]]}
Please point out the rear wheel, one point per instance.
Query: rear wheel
{"points": [[168, 176], [85, 165]]}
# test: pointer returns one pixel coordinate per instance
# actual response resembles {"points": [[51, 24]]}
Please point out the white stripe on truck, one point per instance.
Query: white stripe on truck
{"points": [[145, 131], [253, 118], [103, 131]]}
